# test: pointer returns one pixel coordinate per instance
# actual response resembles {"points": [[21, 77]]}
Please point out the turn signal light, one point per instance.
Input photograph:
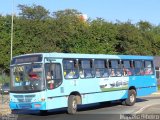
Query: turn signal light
{"points": [[42, 99]]}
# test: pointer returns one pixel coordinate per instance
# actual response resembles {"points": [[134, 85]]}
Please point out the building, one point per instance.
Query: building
{"points": [[157, 66]]}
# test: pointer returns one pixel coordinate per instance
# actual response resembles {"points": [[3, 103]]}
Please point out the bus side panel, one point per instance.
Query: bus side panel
{"points": [[142, 81], [57, 102], [144, 85], [106, 96], [146, 91]]}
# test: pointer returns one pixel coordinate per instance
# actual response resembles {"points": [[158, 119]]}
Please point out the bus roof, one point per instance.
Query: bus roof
{"points": [[96, 56]]}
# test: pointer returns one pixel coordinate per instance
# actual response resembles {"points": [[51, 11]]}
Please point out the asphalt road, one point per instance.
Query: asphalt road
{"points": [[113, 111]]}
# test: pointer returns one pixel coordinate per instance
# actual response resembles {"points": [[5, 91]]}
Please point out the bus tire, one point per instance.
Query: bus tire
{"points": [[72, 104], [131, 98]]}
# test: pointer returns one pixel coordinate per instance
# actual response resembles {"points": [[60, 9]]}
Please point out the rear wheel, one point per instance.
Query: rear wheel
{"points": [[131, 98], [72, 104]]}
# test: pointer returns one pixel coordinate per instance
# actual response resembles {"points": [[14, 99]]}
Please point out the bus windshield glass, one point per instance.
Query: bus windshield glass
{"points": [[27, 78]]}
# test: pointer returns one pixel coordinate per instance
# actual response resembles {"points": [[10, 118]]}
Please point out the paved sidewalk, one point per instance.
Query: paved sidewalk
{"points": [[4, 107], [156, 93]]}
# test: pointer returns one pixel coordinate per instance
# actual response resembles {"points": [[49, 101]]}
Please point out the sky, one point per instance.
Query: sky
{"points": [[110, 10]]}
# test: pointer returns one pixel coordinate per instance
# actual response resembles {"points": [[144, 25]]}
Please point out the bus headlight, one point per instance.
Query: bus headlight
{"points": [[42, 99]]}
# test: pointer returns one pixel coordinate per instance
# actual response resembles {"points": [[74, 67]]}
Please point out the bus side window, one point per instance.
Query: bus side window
{"points": [[86, 68], [101, 70], [53, 75], [139, 67], [115, 68], [148, 68], [127, 68], [70, 69]]}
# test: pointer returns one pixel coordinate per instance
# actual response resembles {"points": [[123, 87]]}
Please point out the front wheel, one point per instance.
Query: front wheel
{"points": [[72, 104], [131, 98]]}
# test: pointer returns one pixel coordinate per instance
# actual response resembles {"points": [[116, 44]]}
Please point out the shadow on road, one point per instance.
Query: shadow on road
{"points": [[141, 100]]}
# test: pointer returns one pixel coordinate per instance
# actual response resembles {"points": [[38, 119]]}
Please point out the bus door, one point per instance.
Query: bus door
{"points": [[53, 74]]}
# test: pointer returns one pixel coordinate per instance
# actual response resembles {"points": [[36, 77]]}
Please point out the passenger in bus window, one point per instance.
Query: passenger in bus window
{"points": [[105, 74], [118, 73], [148, 71], [70, 74], [129, 72], [65, 73], [112, 73], [98, 73], [50, 81], [139, 71], [88, 74], [81, 73], [125, 72], [48, 75]]}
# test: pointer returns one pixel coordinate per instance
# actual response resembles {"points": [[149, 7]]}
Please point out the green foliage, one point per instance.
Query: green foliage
{"points": [[130, 40], [34, 12], [35, 30], [6, 79], [5, 24]]}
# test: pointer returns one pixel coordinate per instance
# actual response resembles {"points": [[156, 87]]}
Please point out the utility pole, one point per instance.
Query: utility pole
{"points": [[12, 29]]}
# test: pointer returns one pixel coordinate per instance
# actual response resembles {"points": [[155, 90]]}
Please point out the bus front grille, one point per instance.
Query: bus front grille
{"points": [[25, 106], [24, 98]]}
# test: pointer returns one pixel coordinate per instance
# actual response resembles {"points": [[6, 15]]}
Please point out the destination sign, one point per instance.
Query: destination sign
{"points": [[27, 59]]}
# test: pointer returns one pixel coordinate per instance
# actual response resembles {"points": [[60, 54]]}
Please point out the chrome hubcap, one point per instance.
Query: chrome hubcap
{"points": [[74, 104], [132, 98]]}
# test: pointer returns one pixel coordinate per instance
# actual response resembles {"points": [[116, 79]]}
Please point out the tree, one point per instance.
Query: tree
{"points": [[5, 23], [35, 12], [150, 35], [131, 41], [144, 26], [35, 31], [102, 37], [68, 26]]}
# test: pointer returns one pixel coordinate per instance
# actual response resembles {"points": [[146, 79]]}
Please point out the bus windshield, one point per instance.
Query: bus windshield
{"points": [[27, 78]]}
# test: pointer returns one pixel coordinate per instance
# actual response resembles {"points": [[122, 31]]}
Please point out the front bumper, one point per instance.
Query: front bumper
{"points": [[28, 106]]}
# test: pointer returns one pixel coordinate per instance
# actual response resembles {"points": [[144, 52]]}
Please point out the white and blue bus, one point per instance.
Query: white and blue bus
{"points": [[46, 81]]}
